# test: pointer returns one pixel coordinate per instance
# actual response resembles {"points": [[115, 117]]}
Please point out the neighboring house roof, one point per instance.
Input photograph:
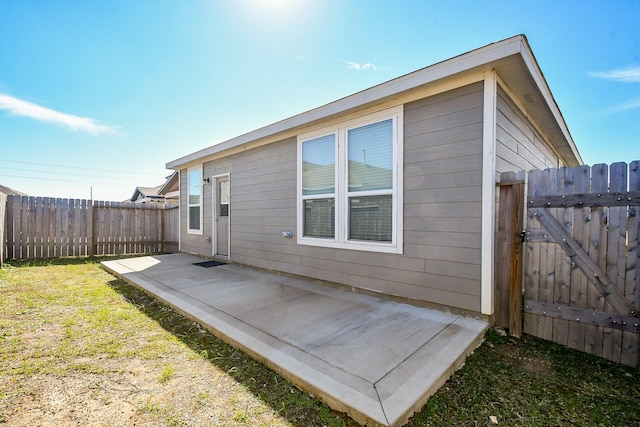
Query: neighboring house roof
{"points": [[512, 59], [146, 194], [171, 185], [10, 191]]}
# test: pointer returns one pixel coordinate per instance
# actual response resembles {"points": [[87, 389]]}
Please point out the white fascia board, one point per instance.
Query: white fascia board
{"points": [[467, 61]]}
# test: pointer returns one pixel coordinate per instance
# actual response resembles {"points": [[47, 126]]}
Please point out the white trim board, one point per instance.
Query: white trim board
{"points": [[488, 191]]}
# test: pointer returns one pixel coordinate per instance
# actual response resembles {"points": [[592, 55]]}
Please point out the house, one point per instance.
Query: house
{"points": [[10, 191], [171, 189], [389, 191], [146, 195], [166, 193]]}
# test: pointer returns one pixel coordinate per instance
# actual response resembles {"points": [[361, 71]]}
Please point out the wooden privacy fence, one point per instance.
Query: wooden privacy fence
{"points": [[581, 258], [43, 227]]}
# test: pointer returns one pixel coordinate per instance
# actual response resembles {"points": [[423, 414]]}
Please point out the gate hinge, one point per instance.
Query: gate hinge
{"points": [[523, 235]]}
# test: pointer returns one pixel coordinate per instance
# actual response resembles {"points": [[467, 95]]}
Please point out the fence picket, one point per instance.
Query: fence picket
{"points": [[532, 258], [37, 232], [84, 228], [46, 227], [117, 231], [65, 227], [561, 287], [109, 226], [549, 185], [77, 231], [100, 225], [71, 227], [10, 249], [131, 246], [578, 282], [631, 341], [597, 251], [24, 235], [616, 253]]}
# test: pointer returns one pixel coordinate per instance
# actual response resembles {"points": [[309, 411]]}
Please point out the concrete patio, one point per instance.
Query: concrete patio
{"points": [[377, 360]]}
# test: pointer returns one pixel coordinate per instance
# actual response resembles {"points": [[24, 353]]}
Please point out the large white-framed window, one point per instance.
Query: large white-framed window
{"points": [[350, 184], [194, 200]]}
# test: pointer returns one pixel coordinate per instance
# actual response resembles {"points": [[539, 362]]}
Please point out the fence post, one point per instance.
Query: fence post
{"points": [[3, 225], [161, 236], [509, 253]]}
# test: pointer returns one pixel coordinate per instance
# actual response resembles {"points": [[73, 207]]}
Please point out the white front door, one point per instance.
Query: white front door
{"points": [[222, 209]]}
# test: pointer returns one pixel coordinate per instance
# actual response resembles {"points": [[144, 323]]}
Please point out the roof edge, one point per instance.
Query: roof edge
{"points": [[540, 80], [483, 56]]}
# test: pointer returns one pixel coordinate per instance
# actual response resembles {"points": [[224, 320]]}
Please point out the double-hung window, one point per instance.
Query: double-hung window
{"points": [[350, 184], [194, 198]]}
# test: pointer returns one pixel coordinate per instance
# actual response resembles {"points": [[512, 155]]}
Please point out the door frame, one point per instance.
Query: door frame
{"points": [[214, 214]]}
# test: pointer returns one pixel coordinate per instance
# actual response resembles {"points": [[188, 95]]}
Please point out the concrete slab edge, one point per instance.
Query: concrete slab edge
{"points": [[452, 353]]}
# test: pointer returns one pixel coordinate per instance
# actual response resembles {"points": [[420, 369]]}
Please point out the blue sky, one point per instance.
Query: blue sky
{"points": [[100, 95]]}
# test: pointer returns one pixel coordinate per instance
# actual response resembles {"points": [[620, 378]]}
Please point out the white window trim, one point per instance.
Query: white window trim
{"points": [[199, 231], [341, 191]]}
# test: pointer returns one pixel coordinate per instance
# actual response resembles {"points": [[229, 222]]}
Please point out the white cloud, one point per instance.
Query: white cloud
{"points": [[359, 67], [18, 107], [625, 106], [627, 75]]}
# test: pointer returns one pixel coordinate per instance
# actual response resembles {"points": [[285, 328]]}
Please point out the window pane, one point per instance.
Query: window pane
{"points": [[318, 165], [319, 218], [370, 218], [223, 198], [224, 192], [194, 187], [194, 217], [371, 157]]}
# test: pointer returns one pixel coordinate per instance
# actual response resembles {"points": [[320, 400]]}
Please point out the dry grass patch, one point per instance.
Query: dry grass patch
{"points": [[78, 347]]}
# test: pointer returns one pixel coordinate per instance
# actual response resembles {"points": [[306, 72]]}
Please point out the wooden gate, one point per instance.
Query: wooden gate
{"points": [[581, 261]]}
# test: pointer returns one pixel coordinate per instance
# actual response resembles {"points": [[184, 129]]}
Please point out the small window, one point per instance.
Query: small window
{"points": [[194, 206], [350, 184], [223, 208]]}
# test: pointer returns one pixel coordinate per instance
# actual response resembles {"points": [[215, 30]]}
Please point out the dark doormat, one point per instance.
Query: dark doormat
{"points": [[207, 264]]}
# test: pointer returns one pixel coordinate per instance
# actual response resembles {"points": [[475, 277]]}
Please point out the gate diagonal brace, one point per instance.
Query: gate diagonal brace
{"points": [[595, 274]]}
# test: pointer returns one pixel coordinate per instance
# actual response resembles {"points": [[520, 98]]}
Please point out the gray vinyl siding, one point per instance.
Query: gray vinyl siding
{"points": [[443, 196], [442, 210], [519, 146]]}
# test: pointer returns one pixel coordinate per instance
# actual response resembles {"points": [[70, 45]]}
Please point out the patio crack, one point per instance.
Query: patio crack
{"points": [[381, 405], [418, 349], [375, 384]]}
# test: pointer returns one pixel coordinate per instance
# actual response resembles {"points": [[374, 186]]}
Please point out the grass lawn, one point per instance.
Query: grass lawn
{"points": [[79, 347]]}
